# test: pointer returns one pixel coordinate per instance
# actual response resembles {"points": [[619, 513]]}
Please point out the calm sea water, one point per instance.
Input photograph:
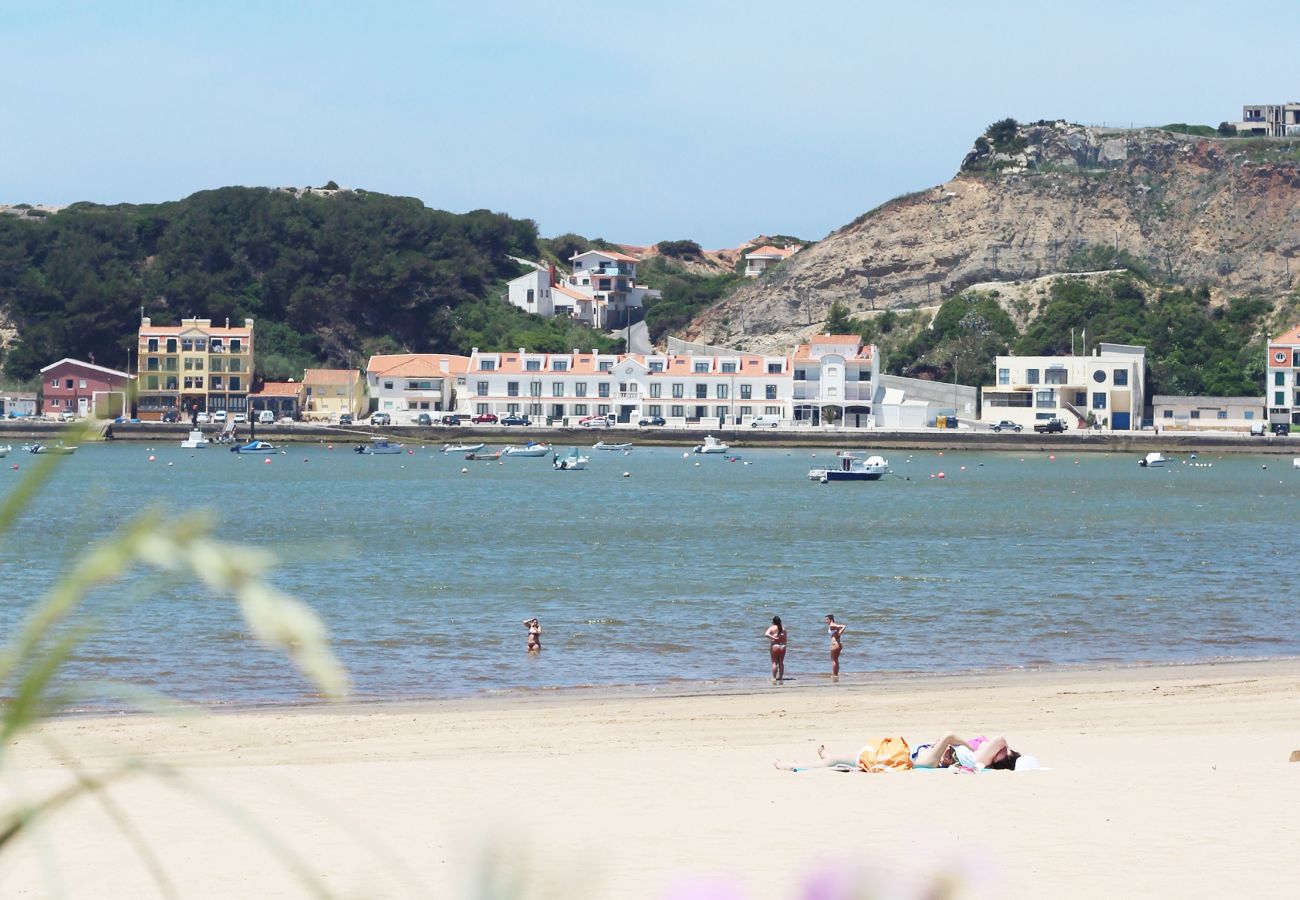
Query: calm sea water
{"points": [[424, 574]]}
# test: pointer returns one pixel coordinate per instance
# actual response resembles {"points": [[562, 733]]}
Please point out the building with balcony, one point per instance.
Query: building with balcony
{"points": [[282, 398], [1269, 120], [761, 259], [85, 389], [602, 291], [328, 393], [835, 377], [1282, 379], [193, 367], [407, 384], [1110, 385]]}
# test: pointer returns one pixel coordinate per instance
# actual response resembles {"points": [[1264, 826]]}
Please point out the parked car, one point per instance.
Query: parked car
{"points": [[596, 422], [515, 419], [66, 416], [424, 419], [202, 418], [1281, 429], [345, 418], [219, 416], [652, 420], [766, 420], [451, 419], [1008, 425], [1258, 429], [1052, 426], [241, 419], [379, 418], [485, 419], [171, 417], [266, 417]]}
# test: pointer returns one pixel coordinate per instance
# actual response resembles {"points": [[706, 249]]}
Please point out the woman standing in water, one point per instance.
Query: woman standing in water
{"points": [[837, 644], [777, 635], [534, 634]]}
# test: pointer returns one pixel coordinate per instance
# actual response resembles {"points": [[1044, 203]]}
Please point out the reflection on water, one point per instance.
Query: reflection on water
{"points": [[424, 574]]}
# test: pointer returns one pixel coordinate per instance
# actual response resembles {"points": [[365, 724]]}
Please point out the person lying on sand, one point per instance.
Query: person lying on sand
{"points": [[979, 752]]}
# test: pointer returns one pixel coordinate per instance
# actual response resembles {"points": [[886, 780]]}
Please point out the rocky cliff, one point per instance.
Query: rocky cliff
{"points": [[1040, 199]]}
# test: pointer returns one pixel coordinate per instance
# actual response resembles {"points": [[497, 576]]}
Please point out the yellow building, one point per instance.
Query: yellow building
{"points": [[193, 367], [329, 392]]}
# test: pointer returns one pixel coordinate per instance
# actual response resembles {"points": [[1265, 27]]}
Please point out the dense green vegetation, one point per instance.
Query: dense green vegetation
{"points": [[686, 294], [1194, 130], [328, 279], [678, 248], [1193, 347]]}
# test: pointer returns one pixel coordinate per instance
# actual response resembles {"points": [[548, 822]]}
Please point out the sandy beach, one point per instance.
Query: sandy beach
{"points": [[1161, 781]]}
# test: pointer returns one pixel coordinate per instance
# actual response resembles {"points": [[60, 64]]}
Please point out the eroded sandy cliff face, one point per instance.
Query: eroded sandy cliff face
{"points": [[1221, 212]]}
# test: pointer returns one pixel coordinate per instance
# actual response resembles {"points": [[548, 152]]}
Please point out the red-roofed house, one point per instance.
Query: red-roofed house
{"points": [[759, 260], [283, 398], [602, 291], [84, 389], [407, 384]]}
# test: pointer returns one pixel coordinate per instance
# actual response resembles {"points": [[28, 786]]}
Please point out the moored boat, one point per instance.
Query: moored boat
{"points": [[712, 445], [571, 460], [601, 445], [196, 441], [1152, 459], [253, 447], [55, 448], [532, 448], [379, 447], [4, 451], [461, 448], [852, 467], [478, 454]]}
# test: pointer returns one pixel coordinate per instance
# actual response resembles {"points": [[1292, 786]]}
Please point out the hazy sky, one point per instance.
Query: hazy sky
{"points": [[636, 122]]}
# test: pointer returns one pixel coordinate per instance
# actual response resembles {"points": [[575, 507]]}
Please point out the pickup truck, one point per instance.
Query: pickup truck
{"points": [[1051, 426]]}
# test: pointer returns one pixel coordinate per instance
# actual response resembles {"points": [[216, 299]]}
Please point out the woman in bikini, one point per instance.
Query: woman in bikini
{"points": [[777, 635], [985, 753], [534, 634], [837, 644]]}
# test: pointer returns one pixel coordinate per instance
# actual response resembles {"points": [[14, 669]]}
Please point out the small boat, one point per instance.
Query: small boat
{"points": [[56, 449], [601, 445], [853, 467], [253, 447], [1151, 460], [4, 451], [532, 448], [1295, 462], [474, 454], [571, 460], [461, 448], [711, 445], [379, 447], [196, 441]]}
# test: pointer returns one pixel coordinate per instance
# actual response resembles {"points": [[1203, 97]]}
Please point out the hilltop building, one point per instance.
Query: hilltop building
{"points": [[602, 291], [763, 258], [85, 389], [1269, 120], [1282, 383], [193, 367], [1110, 385]]}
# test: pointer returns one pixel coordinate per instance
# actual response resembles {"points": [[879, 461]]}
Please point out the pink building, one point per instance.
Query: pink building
{"points": [[84, 389]]}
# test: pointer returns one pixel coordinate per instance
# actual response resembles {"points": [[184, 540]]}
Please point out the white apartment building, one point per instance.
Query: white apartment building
{"points": [[1110, 384], [407, 384], [602, 291], [1282, 383], [835, 378]]}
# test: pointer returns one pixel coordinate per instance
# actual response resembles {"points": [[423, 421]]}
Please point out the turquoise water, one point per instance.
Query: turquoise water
{"points": [[424, 574]]}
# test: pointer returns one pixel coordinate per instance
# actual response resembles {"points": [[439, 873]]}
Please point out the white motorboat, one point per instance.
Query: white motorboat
{"points": [[253, 447], [711, 445], [601, 445], [1295, 462], [1152, 459], [461, 448], [852, 467], [379, 447], [532, 448], [4, 451], [196, 441], [571, 460], [58, 449]]}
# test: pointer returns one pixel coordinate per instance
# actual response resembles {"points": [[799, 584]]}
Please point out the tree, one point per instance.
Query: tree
{"points": [[837, 319], [1227, 129]]}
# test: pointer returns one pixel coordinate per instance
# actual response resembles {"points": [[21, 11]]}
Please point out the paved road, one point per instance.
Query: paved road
{"points": [[638, 340]]}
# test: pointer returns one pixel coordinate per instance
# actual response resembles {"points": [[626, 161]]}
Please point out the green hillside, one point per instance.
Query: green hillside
{"points": [[329, 279]]}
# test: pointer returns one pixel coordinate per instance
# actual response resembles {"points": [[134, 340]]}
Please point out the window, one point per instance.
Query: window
{"points": [[81, 383], [579, 409], [530, 296], [559, 365], [1250, 414], [512, 389], [800, 374], [1080, 398], [602, 389], [54, 382], [774, 368], [535, 390], [216, 384], [771, 410], [656, 365], [655, 410], [1120, 377], [656, 389], [720, 412], [678, 390], [171, 345], [480, 408], [235, 366], [151, 383], [236, 346], [603, 409], [152, 364], [557, 388], [1004, 376], [153, 345], [1099, 400], [720, 392], [534, 409], [728, 367], [1279, 398], [481, 389], [701, 391], [746, 411], [580, 389], [388, 385], [1055, 376], [68, 383], [678, 411], [533, 365], [1221, 414], [605, 365], [1169, 414], [216, 365], [746, 391], [1031, 376], [234, 383], [1099, 376], [1044, 398], [1279, 379], [1196, 414], [769, 392], [487, 365]]}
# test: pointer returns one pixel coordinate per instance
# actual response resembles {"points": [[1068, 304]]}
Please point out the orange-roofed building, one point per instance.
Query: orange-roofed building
{"points": [[602, 291], [760, 259], [407, 384], [281, 398], [1282, 383], [193, 367], [328, 393]]}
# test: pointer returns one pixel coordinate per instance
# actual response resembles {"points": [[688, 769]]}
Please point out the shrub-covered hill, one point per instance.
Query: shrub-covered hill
{"points": [[329, 278]]}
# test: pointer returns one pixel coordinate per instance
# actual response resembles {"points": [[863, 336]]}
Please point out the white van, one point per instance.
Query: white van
{"points": [[769, 420], [266, 417]]}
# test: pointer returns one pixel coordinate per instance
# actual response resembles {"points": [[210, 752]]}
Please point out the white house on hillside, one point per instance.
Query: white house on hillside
{"points": [[602, 291], [760, 260]]}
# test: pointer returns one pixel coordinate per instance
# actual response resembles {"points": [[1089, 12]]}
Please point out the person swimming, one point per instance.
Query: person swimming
{"points": [[837, 644], [534, 634], [776, 633]]}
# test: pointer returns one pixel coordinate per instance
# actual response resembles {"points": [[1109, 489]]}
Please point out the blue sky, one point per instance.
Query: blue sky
{"points": [[637, 122]]}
